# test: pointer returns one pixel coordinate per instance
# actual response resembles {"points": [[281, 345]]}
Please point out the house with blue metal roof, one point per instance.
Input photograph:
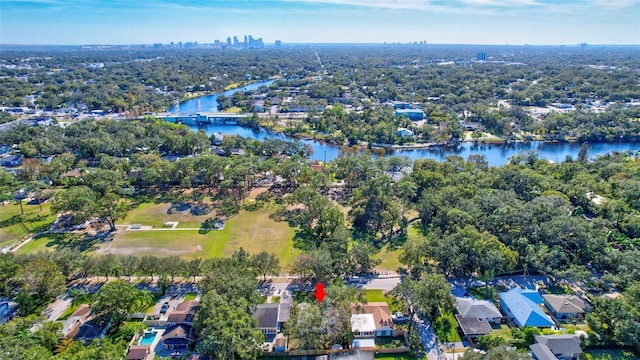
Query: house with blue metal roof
{"points": [[532, 295], [412, 114], [518, 306]]}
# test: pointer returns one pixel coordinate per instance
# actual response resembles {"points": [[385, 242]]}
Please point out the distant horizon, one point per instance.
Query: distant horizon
{"points": [[481, 22], [272, 44]]}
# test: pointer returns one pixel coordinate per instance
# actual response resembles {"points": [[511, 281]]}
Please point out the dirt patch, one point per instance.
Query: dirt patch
{"points": [[257, 191]]}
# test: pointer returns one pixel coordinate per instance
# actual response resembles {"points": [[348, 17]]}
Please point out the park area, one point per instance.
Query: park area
{"points": [[253, 230], [34, 219], [172, 226]]}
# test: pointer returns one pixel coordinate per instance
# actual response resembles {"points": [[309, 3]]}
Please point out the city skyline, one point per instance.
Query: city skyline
{"points": [[514, 22]]}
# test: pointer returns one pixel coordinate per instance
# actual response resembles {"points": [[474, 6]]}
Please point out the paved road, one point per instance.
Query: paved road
{"points": [[383, 282]]}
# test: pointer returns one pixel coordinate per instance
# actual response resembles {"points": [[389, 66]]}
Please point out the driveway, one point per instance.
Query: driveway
{"points": [[429, 339], [56, 308]]}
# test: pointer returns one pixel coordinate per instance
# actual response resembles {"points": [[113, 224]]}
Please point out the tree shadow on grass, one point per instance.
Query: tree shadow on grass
{"points": [[79, 242]]}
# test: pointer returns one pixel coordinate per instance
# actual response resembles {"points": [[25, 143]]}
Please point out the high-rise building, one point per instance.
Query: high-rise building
{"points": [[229, 41], [481, 56], [278, 43], [235, 41]]}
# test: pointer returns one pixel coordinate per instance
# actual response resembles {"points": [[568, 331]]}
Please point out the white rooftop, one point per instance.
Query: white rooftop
{"points": [[362, 323]]}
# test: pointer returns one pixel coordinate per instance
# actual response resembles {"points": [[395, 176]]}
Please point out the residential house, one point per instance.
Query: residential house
{"points": [[565, 306], [177, 337], [138, 352], [404, 132], [183, 313], [412, 114], [368, 321], [81, 325], [11, 160], [381, 317], [271, 317], [470, 126], [363, 325], [519, 308], [556, 347], [266, 316], [401, 105], [479, 309], [475, 316], [7, 309], [217, 138], [5, 149]]}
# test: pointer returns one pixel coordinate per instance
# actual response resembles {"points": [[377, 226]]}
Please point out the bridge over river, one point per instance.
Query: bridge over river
{"points": [[203, 118]]}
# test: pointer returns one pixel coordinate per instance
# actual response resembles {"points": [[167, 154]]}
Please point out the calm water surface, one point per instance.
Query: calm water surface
{"points": [[496, 155]]}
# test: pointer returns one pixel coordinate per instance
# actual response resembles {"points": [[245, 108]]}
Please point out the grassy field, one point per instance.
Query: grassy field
{"points": [[35, 220], [388, 259], [252, 230], [157, 214], [375, 296], [389, 254], [395, 357], [608, 354]]}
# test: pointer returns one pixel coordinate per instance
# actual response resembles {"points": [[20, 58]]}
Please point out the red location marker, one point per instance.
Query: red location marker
{"points": [[319, 294]]}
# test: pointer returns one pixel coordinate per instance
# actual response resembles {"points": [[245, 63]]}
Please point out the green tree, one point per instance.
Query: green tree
{"points": [[266, 263], [116, 300], [227, 330], [307, 328], [42, 278]]}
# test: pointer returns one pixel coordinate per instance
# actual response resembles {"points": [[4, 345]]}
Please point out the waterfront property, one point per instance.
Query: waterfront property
{"points": [[412, 114]]}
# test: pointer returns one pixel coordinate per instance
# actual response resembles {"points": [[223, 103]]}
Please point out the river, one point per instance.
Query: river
{"points": [[496, 155]]}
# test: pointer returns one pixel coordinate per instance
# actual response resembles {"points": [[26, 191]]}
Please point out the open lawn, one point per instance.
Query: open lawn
{"points": [[151, 214], [35, 220], [608, 354], [388, 259], [395, 357], [375, 296], [190, 296], [390, 253], [252, 230]]}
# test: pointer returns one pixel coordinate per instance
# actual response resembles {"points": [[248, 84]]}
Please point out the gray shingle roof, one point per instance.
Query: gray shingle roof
{"points": [[480, 309], [542, 352], [267, 315], [568, 304], [561, 344]]}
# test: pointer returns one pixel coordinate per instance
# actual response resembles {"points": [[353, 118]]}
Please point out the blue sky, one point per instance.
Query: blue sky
{"points": [[436, 21]]}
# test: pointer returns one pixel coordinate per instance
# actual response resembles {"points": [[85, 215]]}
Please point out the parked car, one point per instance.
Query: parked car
{"points": [[164, 307], [478, 283]]}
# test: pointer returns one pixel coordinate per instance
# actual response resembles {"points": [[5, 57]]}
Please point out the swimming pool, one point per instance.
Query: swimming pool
{"points": [[147, 338]]}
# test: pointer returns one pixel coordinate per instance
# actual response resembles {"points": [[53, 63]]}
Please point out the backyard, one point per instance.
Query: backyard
{"points": [[608, 354], [446, 327]]}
